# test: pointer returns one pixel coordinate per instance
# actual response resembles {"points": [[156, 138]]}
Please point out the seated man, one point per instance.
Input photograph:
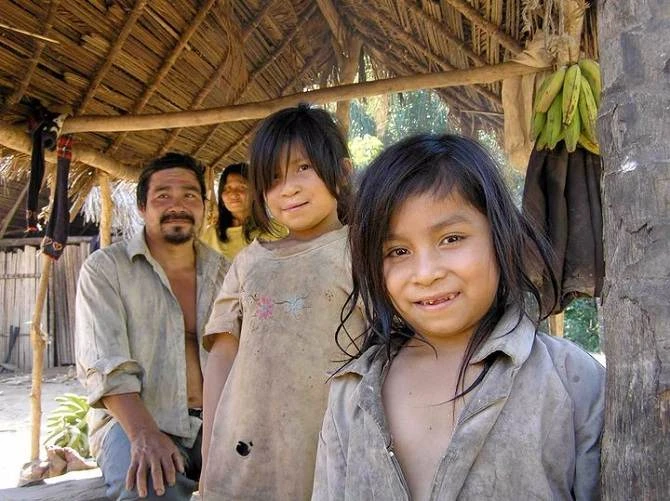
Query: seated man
{"points": [[141, 310]]}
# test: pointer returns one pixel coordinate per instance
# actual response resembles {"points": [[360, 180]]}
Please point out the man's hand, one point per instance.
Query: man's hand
{"points": [[153, 452]]}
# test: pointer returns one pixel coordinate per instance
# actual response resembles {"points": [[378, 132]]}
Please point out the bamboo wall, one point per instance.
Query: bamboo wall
{"points": [[20, 271]]}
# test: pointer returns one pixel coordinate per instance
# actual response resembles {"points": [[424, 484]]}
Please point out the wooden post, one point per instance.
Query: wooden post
{"points": [[38, 341], [557, 324], [633, 127], [106, 210], [348, 71]]}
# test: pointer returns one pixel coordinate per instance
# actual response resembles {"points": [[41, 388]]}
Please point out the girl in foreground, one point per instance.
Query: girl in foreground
{"points": [[453, 393], [270, 334]]}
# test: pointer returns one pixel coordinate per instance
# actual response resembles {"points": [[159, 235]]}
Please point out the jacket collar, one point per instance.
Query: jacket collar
{"points": [[513, 335]]}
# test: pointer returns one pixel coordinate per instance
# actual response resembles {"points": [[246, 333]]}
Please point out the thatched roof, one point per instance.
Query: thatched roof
{"points": [[120, 57]]}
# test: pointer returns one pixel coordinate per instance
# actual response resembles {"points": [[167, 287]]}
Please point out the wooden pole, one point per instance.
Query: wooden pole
{"points": [[37, 339], [14, 137], [106, 211], [557, 324], [257, 110]]}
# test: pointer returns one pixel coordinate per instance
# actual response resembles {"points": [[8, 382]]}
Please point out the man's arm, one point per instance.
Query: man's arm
{"points": [[219, 362], [151, 450]]}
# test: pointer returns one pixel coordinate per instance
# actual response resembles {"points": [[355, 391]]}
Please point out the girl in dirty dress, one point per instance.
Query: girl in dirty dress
{"points": [[271, 332]]}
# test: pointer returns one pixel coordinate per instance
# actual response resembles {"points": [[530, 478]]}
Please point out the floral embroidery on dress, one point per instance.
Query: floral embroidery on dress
{"points": [[294, 305], [265, 308]]}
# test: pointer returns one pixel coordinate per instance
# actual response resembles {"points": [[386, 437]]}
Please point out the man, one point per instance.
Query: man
{"points": [[141, 310]]}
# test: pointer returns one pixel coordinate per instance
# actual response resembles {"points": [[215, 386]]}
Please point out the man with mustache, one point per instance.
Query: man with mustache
{"points": [[141, 309]]}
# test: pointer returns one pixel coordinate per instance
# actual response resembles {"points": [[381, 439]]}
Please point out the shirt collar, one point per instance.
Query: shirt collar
{"points": [[513, 335]]}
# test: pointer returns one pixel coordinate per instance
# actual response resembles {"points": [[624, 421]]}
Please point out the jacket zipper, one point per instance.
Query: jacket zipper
{"points": [[398, 470]]}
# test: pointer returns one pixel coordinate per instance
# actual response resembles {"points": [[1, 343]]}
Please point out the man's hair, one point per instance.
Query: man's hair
{"points": [[169, 161]]}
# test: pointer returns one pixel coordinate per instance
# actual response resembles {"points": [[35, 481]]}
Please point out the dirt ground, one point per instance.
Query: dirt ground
{"points": [[15, 415]]}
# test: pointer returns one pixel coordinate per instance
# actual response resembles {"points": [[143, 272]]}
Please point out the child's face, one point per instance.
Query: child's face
{"points": [[300, 200], [440, 267]]}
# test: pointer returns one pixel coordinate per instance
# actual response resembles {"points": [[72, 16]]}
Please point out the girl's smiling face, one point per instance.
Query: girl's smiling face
{"points": [[440, 267], [300, 200]]}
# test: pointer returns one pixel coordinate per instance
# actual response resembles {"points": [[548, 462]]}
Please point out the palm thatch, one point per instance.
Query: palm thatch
{"points": [[114, 58]]}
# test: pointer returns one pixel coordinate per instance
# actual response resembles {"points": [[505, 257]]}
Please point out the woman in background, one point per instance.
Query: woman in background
{"points": [[227, 235]]}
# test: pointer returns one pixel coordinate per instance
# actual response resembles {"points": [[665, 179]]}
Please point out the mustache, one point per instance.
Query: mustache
{"points": [[173, 216]]}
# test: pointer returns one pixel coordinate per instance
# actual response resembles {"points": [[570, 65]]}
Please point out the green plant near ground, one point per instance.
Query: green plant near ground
{"points": [[67, 425], [581, 323]]}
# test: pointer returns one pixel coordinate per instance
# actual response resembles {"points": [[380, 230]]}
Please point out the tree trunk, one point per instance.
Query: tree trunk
{"points": [[634, 126]]}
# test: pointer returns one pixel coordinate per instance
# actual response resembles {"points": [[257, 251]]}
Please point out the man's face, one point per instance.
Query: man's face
{"points": [[175, 208]]}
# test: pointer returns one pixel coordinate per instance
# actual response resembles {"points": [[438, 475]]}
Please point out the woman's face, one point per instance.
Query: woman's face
{"points": [[235, 197]]}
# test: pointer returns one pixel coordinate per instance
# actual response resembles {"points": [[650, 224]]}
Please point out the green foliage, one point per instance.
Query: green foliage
{"points": [[581, 323], [360, 122], [67, 426], [415, 112], [364, 149]]}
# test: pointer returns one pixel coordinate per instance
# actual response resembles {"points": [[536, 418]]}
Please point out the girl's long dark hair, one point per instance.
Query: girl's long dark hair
{"points": [[323, 142], [440, 165], [225, 216]]}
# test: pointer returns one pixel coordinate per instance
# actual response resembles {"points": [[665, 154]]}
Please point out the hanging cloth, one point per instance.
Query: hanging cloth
{"points": [[44, 132], [562, 195], [55, 236]]}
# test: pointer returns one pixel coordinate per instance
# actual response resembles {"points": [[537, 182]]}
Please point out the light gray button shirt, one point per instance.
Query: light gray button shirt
{"points": [[130, 334], [531, 429]]}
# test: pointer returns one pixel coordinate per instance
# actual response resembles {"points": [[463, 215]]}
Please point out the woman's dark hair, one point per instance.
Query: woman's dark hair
{"points": [[225, 216], [440, 165], [324, 143], [169, 161]]}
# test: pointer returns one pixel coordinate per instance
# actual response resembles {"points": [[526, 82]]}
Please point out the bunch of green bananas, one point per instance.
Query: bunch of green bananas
{"points": [[67, 425], [566, 108]]}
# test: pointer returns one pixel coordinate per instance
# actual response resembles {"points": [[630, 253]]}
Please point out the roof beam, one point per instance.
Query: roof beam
{"points": [[400, 34], [489, 27], [40, 44], [111, 56], [15, 138], [337, 27], [261, 109], [348, 50], [167, 66]]}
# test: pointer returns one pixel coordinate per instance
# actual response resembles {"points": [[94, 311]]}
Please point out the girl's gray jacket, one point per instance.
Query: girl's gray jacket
{"points": [[531, 430]]}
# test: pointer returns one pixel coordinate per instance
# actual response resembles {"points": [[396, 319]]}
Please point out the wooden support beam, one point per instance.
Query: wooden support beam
{"points": [[400, 34], [15, 138], [349, 45], [337, 27], [16, 96], [107, 206], [38, 341], [489, 27], [111, 56], [261, 109], [165, 68], [10, 215]]}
